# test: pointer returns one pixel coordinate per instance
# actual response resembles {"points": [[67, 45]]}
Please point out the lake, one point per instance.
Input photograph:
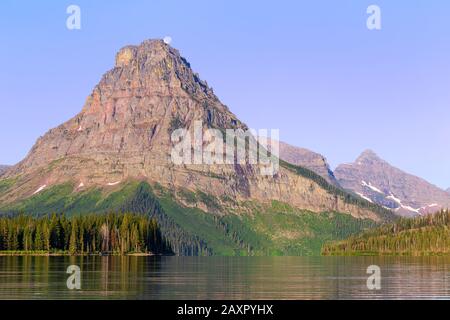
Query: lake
{"points": [[218, 278]]}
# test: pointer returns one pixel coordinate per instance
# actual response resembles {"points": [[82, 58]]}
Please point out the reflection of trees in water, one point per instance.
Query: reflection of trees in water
{"points": [[105, 277], [29, 277], [301, 277], [24, 274], [281, 278], [127, 276], [242, 278], [410, 277], [401, 277]]}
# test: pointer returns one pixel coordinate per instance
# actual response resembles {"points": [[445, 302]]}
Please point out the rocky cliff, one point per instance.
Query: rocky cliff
{"points": [[124, 133]]}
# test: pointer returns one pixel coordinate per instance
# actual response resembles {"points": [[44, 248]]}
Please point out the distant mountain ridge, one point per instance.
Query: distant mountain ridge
{"points": [[376, 180], [308, 159]]}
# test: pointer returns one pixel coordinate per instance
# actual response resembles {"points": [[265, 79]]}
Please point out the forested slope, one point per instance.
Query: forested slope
{"points": [[426, 235], [187, 228]]}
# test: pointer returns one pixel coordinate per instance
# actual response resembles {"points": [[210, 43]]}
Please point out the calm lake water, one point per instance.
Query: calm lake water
{"points": [[224, 278]]}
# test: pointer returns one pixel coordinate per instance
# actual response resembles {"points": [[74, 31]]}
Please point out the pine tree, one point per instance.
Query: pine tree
{"points": [[38, 238], [28, 238], [118, 233], [73, 242]]}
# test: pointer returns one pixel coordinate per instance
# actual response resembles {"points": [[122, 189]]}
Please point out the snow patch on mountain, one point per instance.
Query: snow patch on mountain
{"points": [[364, 197], [370, 186], [392, 197], [40, 189], [409, 208], [113, 183]]}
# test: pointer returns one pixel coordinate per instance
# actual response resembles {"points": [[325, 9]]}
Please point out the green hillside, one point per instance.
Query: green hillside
{"points": [[275, 229], [427, 235]]}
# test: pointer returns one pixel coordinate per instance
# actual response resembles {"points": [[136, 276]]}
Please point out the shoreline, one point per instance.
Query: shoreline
{"points": [[49, 254]]}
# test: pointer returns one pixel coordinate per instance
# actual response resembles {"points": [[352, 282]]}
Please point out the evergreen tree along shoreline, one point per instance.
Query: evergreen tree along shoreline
{"points": [[425, 235], [78, 235]]}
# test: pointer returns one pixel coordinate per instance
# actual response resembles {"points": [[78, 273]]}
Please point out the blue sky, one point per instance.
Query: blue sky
{"points": [[310, 68]]}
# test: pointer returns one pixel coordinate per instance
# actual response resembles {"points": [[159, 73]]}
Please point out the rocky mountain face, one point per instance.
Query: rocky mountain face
{"points": [[124, 132], [448, 190], [308, 159], [3, 169], [376, 180]]}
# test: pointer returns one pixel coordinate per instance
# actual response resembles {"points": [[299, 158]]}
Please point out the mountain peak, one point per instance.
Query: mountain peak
{"points": [[368, 156], [152, 48], [124, 133], [375, 179], [129, 116], [156, 67]]}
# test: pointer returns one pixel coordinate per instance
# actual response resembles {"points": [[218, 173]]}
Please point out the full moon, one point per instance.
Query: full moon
{"points": [[167, 40]]}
